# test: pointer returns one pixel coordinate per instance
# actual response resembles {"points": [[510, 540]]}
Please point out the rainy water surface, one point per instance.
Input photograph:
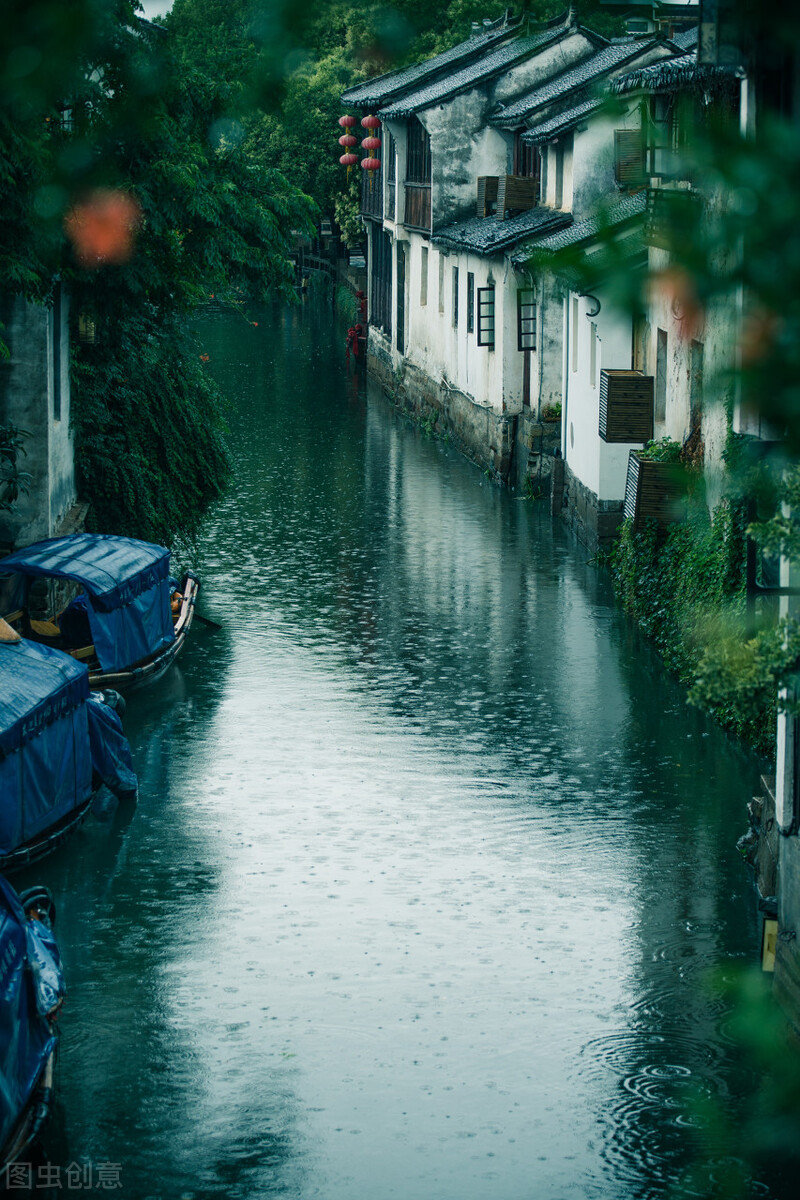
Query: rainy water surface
{"points": [[430, 860]]}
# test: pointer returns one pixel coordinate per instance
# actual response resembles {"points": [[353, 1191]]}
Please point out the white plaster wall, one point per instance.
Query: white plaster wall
{"points": [[447, 353], [464, 146], [716, 330], [592, 173], [600, 466]]}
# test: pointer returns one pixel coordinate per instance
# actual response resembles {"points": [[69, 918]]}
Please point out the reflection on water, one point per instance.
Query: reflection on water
{"points": [[430, 860]]}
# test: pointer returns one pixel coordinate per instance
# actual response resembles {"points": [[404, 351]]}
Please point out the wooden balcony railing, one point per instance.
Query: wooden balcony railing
{"points": [[372, 194], [487, 195], [418, 206]]}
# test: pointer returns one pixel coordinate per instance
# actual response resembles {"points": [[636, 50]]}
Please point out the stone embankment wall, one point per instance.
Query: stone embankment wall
{"points": [[513, 447], [594, 522]]}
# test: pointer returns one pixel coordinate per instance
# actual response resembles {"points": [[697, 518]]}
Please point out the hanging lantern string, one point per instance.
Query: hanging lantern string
{"points": [[347, 141], [370, 143]]}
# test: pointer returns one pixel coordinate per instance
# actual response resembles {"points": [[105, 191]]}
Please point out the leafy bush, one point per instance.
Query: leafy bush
{"points": [[13, 481], [687, 594], [664, 450]]}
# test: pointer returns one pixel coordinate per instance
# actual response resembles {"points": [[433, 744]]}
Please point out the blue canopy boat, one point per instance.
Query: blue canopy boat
{"points": [[58, 744], [129, 621], [31, 992]]}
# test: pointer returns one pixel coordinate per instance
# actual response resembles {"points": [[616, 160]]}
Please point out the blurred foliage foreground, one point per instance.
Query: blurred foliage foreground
{"points": [[120, 176]]}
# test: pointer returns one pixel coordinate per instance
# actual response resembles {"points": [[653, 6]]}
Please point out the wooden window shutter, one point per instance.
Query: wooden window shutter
{"points": [[628, 157], [626, 406]]}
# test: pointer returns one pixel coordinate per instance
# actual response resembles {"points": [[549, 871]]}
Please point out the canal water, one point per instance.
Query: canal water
{"points": [[431, 863]]}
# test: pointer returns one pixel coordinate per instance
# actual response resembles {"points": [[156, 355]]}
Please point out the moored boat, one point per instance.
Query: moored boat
{"points": [[31, 993], [58, 744], [127, 619]]}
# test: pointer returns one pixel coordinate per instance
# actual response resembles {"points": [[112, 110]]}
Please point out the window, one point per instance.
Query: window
{"points": [[526, 319], [423, 277], [455, 297], [400, 327], [389, 152], [559, 198], [486, 317], [381, 279], [696, 383], [470, 302], [441, 283], [628, 157], [593, 354], [661, 376], [418, 153], [526, 158], [389, 157], [57, 363], [575, 313], [417, 212]]}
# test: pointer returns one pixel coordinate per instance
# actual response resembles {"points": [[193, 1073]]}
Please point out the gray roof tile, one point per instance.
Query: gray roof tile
{"points": [[565, 120], [580, 76], [493, 63], [673, 73], [686, 40], [374, 92], [616, 214], [488, 236]]}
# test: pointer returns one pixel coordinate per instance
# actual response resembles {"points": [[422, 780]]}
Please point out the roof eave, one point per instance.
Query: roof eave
{"points": [[400, 112]]}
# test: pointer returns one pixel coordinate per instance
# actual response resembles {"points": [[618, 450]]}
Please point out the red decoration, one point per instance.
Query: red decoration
{"points": [[346, 122], [347, 139], [348, 160], [370, 122], [371, 164], [371, 143]]}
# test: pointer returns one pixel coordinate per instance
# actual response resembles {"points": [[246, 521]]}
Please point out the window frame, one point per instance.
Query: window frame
{"points": [[486, 316]]}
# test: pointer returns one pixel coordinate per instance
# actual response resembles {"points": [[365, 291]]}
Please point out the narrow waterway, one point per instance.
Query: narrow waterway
{"points": [[430, 862]]}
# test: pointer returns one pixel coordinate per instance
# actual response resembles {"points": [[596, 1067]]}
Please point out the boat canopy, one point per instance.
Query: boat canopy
{"points": [[45, 755], [31, 983], [126, 583]]}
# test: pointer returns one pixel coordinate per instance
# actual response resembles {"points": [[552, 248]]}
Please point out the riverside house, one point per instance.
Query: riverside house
{"points": [[461, 330]]}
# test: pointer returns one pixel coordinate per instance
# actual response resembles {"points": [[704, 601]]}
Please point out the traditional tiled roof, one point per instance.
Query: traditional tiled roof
{"points": [[565, 120], [624, 210], [487, 66], [581, 76], [487, 235], [686, 40], [374, 92], [673, 73]]}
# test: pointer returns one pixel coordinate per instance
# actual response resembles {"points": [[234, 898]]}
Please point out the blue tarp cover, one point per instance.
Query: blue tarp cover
{"points": [[31, 983], [111, 754], [45, 759], [126, 581]]}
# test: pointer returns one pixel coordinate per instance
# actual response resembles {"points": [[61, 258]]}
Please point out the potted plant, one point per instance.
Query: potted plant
{"points": [[655, 484]]}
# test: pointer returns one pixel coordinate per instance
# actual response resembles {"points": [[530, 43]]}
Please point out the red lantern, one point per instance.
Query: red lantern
{"points": [[347, 139], [348, 160], [370, 122], [371, 143], [346, 121], [371, 164]]}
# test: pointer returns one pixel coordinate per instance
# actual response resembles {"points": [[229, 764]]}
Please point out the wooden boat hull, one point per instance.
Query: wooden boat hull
{"points": [[46, 842], [34, 1115]]}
